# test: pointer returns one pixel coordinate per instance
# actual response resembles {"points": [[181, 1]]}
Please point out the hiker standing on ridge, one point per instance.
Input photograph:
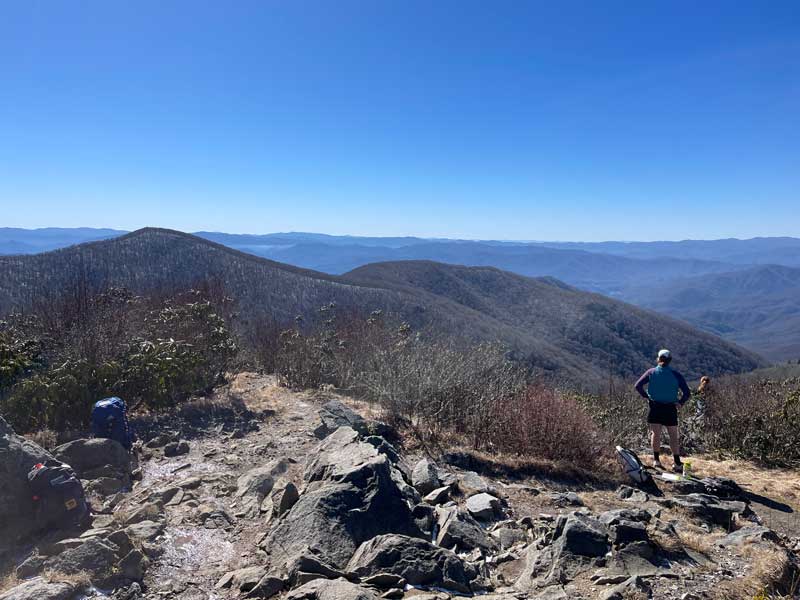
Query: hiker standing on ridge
{"points": [[663, 384]]}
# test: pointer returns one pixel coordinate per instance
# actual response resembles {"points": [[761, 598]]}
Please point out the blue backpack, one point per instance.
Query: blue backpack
{"points": [[110, 420]]}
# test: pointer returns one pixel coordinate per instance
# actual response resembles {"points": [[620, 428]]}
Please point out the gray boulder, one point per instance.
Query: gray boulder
{"points": [[133, 565], [325, 589], [282, 497], [301, 568], [104, 486], [438, 496], [40, 589], [563, 499], [342, 458], [257, 483], [472, 483], [94, 557], [634, 587], [629, 494], [425, 476], [484, 507], [578, 541], [409, 493], [349, 497], [267, 587], [88, 455], [633, 560], [417, 561], [244, 580], [335, 414], [145, 531], [509, 537], [17, 458], [749, 535], [711, 509], [30, 566], [581, 535], [460, 532]]}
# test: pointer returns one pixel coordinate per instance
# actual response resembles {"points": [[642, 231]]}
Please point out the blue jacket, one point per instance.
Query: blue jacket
{"points": [[663, 384]]}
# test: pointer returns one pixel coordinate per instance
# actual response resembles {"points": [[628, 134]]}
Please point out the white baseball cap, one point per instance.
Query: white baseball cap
{"points": [[664, 353]]}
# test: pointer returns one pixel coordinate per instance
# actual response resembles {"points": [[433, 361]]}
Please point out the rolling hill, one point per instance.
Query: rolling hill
{"points": [[648, 274], [758, 307], [560, 329]]}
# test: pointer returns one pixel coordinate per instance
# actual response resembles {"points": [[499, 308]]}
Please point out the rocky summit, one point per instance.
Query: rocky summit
{"points": [[304, 496]]}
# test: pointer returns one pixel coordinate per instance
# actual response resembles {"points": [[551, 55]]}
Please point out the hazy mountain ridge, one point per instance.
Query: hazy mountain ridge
{"points": [[649, 274], [14, 240], [560, 329], [758, 307]]}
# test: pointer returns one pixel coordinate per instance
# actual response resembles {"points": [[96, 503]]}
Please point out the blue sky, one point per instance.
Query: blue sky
{"points": [[506, 120]]}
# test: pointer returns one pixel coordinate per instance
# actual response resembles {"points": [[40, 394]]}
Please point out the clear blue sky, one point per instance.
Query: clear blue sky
{"points": [[516, 120]]}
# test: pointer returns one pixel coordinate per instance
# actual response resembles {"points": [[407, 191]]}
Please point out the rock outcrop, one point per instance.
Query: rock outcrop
{"points": [[41, 589], [416, 561], [17, 458], [349, 497], [88, 457]]}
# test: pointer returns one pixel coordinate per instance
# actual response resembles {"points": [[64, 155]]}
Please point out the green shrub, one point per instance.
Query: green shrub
{"points": [[152, 354], [160, 371], [20, 354]]}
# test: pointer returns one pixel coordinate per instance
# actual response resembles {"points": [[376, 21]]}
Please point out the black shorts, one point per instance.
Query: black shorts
{"points": [[663, 414]]}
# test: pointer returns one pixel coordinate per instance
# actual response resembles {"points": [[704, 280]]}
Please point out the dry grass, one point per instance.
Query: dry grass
{"points": [[78, 580], [770, 575], [46, 438], [8, 582], [778, 483], [699, 540], [262, 393]]}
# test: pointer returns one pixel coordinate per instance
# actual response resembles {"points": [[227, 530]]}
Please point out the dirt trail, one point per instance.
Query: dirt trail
{"points": [[196, 551]]}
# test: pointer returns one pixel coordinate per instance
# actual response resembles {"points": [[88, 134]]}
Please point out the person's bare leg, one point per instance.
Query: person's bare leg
{"points": [[675, 443], [655, 442]]}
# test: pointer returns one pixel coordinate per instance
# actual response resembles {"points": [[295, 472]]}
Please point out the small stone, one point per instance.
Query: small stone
{"points": [[176, 449], [438, 496], [146, 512], [509, 537], [384, 580], [563, 499], [30, 567]]}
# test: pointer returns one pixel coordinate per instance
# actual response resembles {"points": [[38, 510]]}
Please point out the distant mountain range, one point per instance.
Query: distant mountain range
{"points": [[649, 274], [559, 329], [758, 307], [31, 241]]}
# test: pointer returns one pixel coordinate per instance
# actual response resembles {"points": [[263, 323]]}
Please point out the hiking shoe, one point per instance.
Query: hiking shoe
{"points": [[657, 464], [677, 468]]}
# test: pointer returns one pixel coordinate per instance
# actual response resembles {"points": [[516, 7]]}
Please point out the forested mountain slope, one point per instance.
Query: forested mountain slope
{"points": [[562, 330]]}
